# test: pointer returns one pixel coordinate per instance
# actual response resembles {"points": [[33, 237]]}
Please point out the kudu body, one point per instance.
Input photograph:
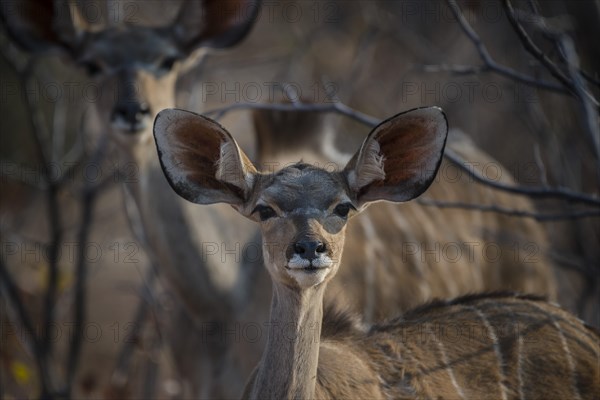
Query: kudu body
{"points": [[483, 346], [135, 70], [410, 253]]}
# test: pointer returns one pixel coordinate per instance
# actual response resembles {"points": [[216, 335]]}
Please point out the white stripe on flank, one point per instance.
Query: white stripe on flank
{"points": [[492, 335], [448, 368], [570, 361], [520, 366], [565, 346]]}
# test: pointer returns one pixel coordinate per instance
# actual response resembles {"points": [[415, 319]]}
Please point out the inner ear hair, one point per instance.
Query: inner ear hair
{"points": [[370, 167], [231, 159]]}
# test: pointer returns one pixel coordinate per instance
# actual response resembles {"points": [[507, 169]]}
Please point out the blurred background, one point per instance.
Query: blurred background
{"points": [[537, 115]]}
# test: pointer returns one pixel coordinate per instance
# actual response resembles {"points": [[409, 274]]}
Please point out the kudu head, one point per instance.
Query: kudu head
{"points": [[135, 67], [302, 209]]}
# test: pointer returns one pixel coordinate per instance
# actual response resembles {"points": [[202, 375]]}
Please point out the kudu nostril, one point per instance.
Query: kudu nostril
{"points": [[132, 115], [309, 249], [321, 248]]}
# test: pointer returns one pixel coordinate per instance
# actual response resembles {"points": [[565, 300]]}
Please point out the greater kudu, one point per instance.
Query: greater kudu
{"points": [[135, 69], [483, 346]]}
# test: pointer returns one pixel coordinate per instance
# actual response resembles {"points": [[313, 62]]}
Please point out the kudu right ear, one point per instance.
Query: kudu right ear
{"points": [[200, 159], [41, 26], [400, 157], [214, 23]]}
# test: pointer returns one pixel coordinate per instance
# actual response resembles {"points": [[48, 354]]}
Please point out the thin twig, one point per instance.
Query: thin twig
{"points": [[90, 192], [46, 344], [119, 376], [488, 60], [537, 192], [340, 108], [590, 109], [508, 211], [457, 69], [535, 51], [539, 162], [12, 294], [147, 299], [550, 33]]}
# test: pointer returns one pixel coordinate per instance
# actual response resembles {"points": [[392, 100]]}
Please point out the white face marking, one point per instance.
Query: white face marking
{"points": [[121, 125], [322, 261], [306, 279], [297, 262], [296, 268]]}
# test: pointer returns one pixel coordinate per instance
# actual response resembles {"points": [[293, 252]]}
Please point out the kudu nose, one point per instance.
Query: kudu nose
{"points": [[310, 249], [131, 116]]}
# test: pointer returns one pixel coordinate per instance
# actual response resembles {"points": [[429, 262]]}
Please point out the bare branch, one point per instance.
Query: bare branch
{"points": [[89, 195], [508, 211], [537, 192], [38, 126], [534, 50], [119, 375], [147, 299], [590, 109], [551, 30], [341, 108], [12, 296], [457, 69], [490, 63]]}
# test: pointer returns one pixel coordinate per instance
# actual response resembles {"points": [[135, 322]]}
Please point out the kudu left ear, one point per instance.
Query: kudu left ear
{"points": [[201, 160], [214, 23], [44, 26], [400, 157]]}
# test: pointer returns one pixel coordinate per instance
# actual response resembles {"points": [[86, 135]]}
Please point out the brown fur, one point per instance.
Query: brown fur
{"points": [[405, 361], [394, 256], [478, 346]]}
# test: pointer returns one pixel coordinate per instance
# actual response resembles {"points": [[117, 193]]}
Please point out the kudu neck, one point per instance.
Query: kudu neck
{"points": [[288, 368]]}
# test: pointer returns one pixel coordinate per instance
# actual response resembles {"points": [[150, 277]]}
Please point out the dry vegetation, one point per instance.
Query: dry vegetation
{"points": [[66, 233]]}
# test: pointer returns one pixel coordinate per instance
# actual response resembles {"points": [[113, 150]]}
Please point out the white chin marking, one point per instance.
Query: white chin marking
{"points": [[322, 262], [297, 262], [125, 127], [307, 273]]}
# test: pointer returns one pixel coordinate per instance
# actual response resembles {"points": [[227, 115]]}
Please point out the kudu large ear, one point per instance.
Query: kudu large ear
{"points": [[200, 159], [400, 157], [214, 23], [40, 26]]}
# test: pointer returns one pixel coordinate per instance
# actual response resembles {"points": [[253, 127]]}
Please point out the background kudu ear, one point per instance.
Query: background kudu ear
{"points": [[400, 157], [43, 25], [200, 159], [214, 23]]}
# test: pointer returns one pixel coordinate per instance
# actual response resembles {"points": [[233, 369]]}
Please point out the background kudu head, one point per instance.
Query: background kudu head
{"points": [[302, 209], [135, 66]]}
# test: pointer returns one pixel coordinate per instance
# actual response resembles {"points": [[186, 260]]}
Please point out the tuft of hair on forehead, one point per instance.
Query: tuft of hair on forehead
{"points": [[301, 166], [303, 183], [297, 169]]}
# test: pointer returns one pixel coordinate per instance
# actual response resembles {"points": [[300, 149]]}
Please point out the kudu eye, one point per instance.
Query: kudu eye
{"points": [[167, 63], [92, 67], [343, 209], [264, 212]]}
